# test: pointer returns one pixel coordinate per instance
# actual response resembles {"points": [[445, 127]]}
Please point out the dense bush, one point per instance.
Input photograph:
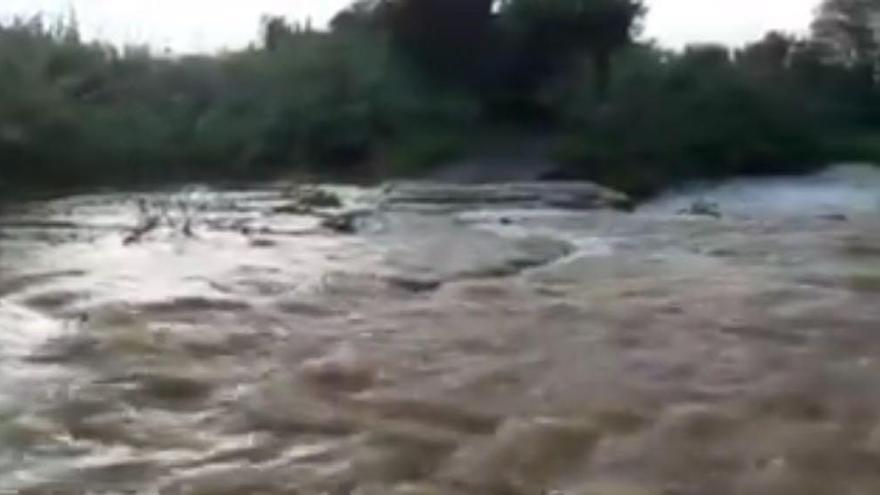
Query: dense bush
{"points": [[701, 113], [74, 113]]}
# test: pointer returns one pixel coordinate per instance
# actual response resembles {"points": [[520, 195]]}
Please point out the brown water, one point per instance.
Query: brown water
{"points": [[501, 352]]}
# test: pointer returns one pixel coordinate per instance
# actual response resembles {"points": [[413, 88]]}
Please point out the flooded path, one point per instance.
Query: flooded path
{"points": [[508, 350]]}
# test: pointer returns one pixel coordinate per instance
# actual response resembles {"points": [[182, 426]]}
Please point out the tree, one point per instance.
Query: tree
{"points": [[770, 57], [848, 31], [363, 15], [847, 34], [559, 29], [444, 37], [276, 31]]}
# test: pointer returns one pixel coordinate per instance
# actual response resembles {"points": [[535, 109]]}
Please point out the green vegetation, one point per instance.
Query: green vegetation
{"points": [[398, 86]]}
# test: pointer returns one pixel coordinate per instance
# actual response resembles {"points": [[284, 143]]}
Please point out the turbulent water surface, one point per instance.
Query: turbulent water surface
{"points": [[480, 351]]}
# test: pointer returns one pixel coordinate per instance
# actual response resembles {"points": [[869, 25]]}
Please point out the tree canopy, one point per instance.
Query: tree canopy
{"points": [[849, 31], [558, 30]]}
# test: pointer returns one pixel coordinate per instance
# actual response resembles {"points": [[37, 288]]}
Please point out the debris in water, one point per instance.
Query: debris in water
{"points": [[342, 370]]}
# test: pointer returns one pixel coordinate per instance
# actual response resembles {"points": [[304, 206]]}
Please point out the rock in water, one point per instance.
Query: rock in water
{"points": [[317, 198], [293, 209], [345, 222], [702, 207], [566, 195], [304, 201]]}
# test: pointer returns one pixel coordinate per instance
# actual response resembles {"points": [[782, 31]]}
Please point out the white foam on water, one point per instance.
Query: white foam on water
{"points": [[842, 189]]}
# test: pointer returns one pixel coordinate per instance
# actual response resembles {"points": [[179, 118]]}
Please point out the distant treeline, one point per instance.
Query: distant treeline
{"points": [[398, 86]]}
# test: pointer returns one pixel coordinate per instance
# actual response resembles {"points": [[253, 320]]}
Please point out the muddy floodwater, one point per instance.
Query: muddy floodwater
{"points": [[481, 350]]}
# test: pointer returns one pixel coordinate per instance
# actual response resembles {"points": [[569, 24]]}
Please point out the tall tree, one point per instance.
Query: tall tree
{"points": [[274, 31], [559, 29], [769, 57], [445, 37], [363, 15], [849, 31]]}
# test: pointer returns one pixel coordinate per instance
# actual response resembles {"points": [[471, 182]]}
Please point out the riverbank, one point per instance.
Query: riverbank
{"points": [[353, 103]]}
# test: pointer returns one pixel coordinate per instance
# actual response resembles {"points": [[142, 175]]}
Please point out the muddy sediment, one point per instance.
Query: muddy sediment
{"points": [[501, 349]]}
